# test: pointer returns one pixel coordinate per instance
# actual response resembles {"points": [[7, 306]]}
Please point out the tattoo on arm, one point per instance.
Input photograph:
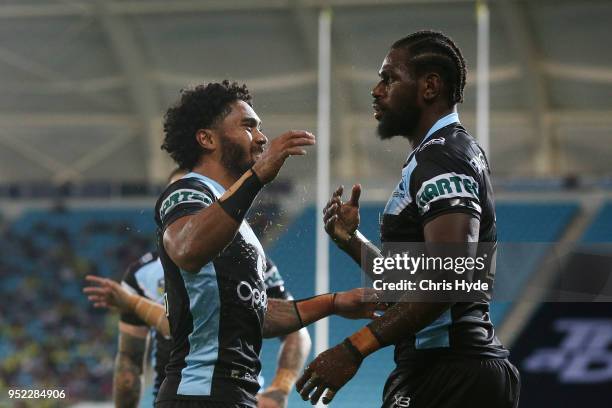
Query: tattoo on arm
{"points": [[294, 350], [128, 370], [281, 318]]}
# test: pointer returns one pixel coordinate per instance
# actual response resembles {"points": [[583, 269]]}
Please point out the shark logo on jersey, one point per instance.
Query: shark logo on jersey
{"points": [[182, 196], [479, 163], [448, 185], [272, 278], [436, 141]]}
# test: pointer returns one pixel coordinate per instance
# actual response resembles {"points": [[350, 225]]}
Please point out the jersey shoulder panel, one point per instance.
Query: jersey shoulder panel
{"points": [[274, 283], [448, 174], [129, 278], [130, 282], [183, 197]]}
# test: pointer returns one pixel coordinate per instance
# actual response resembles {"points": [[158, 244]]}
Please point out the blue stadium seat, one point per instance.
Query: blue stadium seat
{"points": [[600, 229]]}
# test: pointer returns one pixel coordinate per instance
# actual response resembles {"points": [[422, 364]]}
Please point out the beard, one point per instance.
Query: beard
{"points": [[234, 158], [398, 123]]}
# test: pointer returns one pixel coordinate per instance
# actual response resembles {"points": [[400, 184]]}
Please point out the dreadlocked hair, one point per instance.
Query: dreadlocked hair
{"points": [[434, 51], [198, 108]]}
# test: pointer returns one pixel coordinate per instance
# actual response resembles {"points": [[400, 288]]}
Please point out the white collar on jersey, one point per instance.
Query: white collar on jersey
{"points": [[442, 122], [216, 185]]}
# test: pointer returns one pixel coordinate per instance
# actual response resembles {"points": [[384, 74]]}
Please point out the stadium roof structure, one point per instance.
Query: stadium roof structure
{"points": [[85, 83]]}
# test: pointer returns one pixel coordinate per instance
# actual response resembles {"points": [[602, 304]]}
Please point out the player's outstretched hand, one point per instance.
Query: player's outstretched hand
{"points": [[290, 143], [359, 303], [106, 293], [329, 371], [341, 219]]}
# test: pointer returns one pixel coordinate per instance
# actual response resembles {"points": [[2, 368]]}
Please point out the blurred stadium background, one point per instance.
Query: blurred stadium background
{"points": [[84, 85]]}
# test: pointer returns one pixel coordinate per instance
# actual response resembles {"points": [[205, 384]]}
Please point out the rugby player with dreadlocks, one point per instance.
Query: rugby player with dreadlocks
{"points": [[446, 353]]}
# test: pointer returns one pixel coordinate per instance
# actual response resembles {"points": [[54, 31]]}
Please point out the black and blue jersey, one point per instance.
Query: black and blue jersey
{"points": [[448, 172], [216, 314], [145, 277]]}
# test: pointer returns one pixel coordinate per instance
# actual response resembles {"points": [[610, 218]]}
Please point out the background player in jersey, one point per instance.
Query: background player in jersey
{"points": [[145, 278], [447, 354], [213, 262]]}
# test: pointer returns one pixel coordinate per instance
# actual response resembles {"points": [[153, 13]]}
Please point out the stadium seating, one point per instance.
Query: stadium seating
{"points": [[51, 337], [46, 255], [518, 224], [600, 229]]}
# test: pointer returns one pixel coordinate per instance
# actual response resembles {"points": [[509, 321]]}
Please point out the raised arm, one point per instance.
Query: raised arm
{"points": [[341, 222], [193, 240], [336, 366]]}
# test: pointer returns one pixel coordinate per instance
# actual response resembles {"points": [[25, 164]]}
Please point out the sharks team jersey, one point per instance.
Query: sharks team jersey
{"points": [[446, 173], [216, 314], [145, 277]]}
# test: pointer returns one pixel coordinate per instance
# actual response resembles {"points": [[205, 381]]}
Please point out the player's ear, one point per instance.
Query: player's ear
{"points": [[431, 86], [206, 139]]}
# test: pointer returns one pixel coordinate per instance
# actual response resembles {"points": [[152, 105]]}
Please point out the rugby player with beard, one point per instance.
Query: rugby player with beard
{"points": [[446, 353], [213, 263]]}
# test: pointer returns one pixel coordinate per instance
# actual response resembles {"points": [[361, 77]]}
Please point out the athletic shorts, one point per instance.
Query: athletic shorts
{"points": [[197, 404], [456, 383]]}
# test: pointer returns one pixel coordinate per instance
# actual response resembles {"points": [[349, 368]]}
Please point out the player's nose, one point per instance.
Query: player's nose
{"points": [[376, 92], [260, 138]]}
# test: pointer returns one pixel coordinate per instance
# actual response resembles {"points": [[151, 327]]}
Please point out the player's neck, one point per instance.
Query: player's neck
{"points": [[428, 119], [217, 172]]}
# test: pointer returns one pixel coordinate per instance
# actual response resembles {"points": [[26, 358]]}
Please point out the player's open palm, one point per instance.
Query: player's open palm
{"points": [[342, 218], [106, 293], [290, 143]]}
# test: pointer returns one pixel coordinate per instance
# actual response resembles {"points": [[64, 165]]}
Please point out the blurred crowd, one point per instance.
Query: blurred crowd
{"points": [[50, 336]]}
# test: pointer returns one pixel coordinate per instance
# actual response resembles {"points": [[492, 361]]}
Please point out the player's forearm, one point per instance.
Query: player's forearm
{"points": [[196, 240], [286, 316], [291, 357], [128, 370], [294, 350], [401, 320], [153, 314], [361, 250]]}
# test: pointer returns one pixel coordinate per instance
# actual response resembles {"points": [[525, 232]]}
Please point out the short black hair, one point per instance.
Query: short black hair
{"points": [[198, 108], [434, 51]]}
